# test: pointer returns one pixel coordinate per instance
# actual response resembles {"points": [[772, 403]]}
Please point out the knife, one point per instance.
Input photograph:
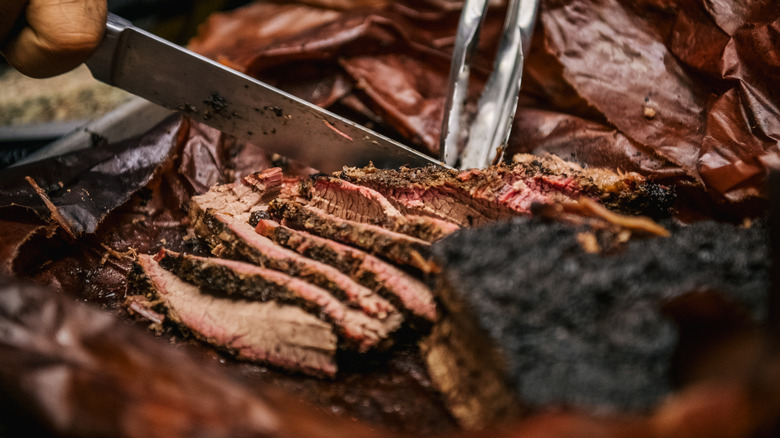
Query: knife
{"points": [[178, 79]]}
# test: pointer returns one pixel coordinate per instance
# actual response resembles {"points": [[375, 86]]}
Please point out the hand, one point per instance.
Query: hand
{"points": [[43, 38]]}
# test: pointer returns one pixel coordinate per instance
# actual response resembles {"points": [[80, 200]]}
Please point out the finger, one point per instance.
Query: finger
{"points": [[60, 35]]}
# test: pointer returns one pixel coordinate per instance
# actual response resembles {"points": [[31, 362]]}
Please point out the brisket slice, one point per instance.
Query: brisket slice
{"points": [[626, 192], [397, 286], [238, 199], [234, 238], [230, 277], [363, 204], [278, 334], [530, 317], [268, 182], [396, 247], [478, 196], [429, 191]]}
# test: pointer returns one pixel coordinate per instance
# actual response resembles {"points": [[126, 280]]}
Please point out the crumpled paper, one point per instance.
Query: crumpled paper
{"points": [[680, 91], [80, 188], [67, 369]]}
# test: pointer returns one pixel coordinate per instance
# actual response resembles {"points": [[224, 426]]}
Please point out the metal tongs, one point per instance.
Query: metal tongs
{"points": [[489, 131]]}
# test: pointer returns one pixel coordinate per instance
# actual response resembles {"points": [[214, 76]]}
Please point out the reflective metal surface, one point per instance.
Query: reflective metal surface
{"points": [[488, 133], [166, 74]]}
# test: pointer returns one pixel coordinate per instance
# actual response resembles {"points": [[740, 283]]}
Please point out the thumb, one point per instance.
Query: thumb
{"points": [[58, 34]]}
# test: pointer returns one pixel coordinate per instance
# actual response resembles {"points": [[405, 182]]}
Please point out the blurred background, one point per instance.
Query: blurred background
{"points": [[35, 112]]}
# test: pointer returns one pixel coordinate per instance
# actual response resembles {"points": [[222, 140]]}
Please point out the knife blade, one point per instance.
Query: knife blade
{"points": [[178, 79]]}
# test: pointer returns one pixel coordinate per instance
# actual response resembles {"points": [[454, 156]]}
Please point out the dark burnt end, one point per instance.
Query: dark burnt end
{"points": [[647, 199], [587, 330]]}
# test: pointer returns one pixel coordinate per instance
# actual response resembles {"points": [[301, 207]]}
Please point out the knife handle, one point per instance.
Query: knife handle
{"points": [[101, 62]]}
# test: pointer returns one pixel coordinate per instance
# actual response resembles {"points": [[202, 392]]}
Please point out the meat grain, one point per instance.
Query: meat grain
{"points": [[362, 204], [399, 287], [282, 335], [365, 327], [393, 246]]}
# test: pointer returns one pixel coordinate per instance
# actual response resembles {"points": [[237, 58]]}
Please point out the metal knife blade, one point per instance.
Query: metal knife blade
{"points": [[204, 90]]}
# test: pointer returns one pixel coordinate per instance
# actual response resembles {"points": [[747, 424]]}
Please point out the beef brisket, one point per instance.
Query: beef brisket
{"points": [[238, 199], [397, 247], [625, 192], [534, 318], [343, 234], [234, 238], [229, 277], [363, 204], [397, 286], [270, 332], [479, 196], [429, 191], [268, 182]]}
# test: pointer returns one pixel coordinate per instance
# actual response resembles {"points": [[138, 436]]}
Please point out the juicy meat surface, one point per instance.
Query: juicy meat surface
{"points": [[397, 247], [364, 328], [238, 199], [270, 332], [234, 238], [268, 182], [363, 204], [399, 287], [625, 192], [479, 196], [427, 191]]}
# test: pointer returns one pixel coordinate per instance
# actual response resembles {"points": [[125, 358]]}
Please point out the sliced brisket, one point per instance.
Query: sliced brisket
{"points": [[399, 287], [238, 199], [626, 192], [479, 196], [230, 277], [233, 238], [363, 204], [270, 332], [397, 247], [429, 191], [268, 182], [532, 317]]}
